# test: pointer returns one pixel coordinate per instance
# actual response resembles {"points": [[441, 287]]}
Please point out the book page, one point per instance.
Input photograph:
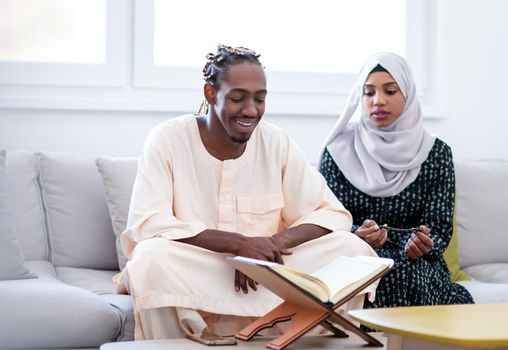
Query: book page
{"points": [[307, 282], [345, 271]]}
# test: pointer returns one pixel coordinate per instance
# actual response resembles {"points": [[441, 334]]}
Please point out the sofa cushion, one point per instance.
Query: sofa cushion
{"points": [[96, 281], [11, 258], [123, 305], [482, 199], [492, 273], [42, 268], [78, 222], [100, 282], [47, 313], [22, 176], [451, 254], [118, 175], [483, 292]]}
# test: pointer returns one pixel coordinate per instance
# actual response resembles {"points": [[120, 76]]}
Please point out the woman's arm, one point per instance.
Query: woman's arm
{"points": [[439, 202], [369, 230]]}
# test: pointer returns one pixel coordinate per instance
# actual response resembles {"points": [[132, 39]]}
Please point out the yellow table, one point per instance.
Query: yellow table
{"points": [[480, 326]]}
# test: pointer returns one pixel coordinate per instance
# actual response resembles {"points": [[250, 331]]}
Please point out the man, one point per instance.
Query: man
{"points": [[224, 183]]}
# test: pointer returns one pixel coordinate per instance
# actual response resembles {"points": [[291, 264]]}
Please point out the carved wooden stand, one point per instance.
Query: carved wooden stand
{"points": [[303, 319]]}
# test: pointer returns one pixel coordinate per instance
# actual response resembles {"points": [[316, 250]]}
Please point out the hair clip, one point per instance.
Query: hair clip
{"points": [[239, 51], [229, 49]]}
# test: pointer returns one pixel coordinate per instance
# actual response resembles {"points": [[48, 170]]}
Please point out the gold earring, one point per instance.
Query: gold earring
{"points": [[203, 108]]}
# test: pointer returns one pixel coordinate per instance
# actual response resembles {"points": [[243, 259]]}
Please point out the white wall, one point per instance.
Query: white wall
{"points": [[472, 60], [120, 133], [85, 132]]}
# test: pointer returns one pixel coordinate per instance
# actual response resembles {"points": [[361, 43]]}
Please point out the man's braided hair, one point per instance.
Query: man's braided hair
{"points": [[217, 64]]}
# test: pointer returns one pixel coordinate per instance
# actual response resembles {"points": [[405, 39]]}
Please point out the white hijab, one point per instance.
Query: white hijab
{"points": [[381, 162]]}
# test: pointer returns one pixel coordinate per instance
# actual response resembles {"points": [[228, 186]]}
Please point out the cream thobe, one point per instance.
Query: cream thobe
{"points": [[181, 190]]}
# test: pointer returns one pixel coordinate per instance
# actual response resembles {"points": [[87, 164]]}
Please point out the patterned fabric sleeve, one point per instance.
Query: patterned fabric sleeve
{"points": [[325, 168], [439, 204], [330, 172]]}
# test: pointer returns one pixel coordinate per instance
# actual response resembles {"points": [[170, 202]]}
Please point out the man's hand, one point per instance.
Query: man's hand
{"points": [[419, 243], [261, 248], [371, 233], [241, 282], [282, 244]]}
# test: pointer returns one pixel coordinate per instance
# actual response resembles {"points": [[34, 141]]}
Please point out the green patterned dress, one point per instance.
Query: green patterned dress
{"points": [[427, 201]]}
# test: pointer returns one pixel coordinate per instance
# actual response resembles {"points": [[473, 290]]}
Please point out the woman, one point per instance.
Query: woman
{"points": [[398, 182]]}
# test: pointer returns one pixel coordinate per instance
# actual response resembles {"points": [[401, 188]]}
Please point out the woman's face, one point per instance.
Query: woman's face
{"points": [[383, 100]]}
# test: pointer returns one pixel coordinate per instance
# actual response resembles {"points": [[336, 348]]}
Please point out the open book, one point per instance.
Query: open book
{"points": [[330, 284], [311, 299]]}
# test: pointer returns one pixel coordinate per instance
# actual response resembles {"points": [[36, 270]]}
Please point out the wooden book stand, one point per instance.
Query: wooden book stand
{"points": [[303, 319], [302, 309]]}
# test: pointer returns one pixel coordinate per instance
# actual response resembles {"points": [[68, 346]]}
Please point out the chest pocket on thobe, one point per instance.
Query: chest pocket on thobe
{"points": [[259, 213]]}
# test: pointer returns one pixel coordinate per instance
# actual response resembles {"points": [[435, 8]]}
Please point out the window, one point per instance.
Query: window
{"points": [[54, 31], [148, 54], [62, 42], [328, 40], [324, 36], [311, 50]]}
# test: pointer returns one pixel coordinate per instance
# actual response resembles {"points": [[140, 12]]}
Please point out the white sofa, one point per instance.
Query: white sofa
{"points": [[65, 233], [66, 215], [481, 207]]}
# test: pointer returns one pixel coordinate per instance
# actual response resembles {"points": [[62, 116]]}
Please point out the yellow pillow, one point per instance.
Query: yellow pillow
{"points": [[451, 254]]}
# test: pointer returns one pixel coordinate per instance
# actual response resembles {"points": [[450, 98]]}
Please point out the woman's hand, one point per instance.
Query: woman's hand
{"points": [[419, 243], [261, 248], [371, 233]]}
